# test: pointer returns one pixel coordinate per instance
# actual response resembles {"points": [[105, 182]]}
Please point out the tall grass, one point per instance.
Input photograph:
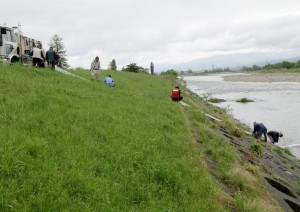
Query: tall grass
{"points": [[72, 144]]}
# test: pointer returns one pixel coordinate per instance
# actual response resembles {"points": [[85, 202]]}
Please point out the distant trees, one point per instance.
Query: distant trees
{"points": [[58, 45], [152, 68], [113, 65], [170, 72], [283, 65], [133, 67]]}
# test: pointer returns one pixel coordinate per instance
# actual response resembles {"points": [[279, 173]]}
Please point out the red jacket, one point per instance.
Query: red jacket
{"points": [[175, 93]]}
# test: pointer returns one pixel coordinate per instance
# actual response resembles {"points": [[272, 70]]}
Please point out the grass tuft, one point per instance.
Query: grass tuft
{"points": [[244, 100]]}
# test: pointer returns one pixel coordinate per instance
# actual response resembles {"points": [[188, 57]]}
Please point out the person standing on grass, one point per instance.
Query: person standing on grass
{"points": [[38, 56], [57, 59], [259, 129], [108, 81], [175, 96], [274, 136], [95, 68], [50, 57]]}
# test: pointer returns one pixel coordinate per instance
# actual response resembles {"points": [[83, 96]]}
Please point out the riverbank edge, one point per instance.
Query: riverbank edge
{"points": [[272, 161]]}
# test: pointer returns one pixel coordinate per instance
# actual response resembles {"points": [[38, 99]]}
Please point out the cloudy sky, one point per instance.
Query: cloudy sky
{"points": [[162, 31]]}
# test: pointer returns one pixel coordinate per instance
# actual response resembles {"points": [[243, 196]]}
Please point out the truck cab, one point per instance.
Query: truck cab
{"points": [[8, 45]]}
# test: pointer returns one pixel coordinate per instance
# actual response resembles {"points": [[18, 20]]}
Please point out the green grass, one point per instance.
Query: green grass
{"points": [[68, 144], [278, 150], [288, 151], [72, 144], [256, 147]]}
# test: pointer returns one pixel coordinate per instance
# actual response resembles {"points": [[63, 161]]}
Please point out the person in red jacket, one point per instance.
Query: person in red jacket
{"points": [[175, 96]]}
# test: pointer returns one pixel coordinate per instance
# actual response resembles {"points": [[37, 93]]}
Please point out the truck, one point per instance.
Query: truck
{"points": [[14, 46]]}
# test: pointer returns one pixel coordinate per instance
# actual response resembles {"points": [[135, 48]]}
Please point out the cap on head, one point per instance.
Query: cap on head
{"points": [[280, 134], [108, 75], [176, 86]]}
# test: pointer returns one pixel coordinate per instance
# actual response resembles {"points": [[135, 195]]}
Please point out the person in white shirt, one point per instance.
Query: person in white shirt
{"points": [[38, 56], [95, 69]]}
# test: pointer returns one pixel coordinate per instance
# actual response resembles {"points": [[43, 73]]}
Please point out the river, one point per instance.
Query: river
{"points": [[276, 104]]}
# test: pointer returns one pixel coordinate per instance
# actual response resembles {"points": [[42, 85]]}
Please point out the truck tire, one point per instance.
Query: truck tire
{"points": [[14, 60]]}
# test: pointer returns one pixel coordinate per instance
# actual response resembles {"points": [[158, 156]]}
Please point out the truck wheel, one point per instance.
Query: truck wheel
{"points": [[14, 60]]}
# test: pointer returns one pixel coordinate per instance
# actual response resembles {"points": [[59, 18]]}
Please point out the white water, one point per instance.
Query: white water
{"points": [[277, 105]]}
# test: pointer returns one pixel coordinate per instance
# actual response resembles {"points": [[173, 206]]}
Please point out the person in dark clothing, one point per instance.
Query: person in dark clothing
{"points": [[274, 136], [57, 59], [259, 129], [175, 96], [50, 57]]}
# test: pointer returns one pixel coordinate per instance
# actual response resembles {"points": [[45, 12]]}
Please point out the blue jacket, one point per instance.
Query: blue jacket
{"points": [[109, 81], [260, 128], [50, 55]]}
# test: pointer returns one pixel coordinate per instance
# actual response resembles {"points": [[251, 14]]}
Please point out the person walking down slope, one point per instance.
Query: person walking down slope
{"points": [[175, 96], [108, 81], [274, 136], [95, 68], [259, 129], [50, 57]]}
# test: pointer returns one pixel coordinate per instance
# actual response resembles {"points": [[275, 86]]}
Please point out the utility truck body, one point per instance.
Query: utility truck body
{"points": [[14, 46]]}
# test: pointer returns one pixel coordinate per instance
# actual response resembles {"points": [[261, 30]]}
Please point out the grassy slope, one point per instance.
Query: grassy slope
{"points": [[71, 144]]}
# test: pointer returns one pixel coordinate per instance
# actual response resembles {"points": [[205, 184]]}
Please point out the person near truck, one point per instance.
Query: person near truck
{"points": [[259, 129], [38, 56], [57, 59], [50, 57], [95, 69], [274, 136], [175, 95]]}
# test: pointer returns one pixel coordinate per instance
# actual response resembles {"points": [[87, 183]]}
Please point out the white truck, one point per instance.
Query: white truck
{"points": [[14, 46]]}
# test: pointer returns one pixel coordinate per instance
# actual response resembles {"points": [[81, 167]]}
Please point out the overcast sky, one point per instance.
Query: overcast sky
{"points": [[162, 31]]}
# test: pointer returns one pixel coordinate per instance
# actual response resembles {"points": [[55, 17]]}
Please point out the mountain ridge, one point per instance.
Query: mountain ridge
{"points": [[233, 61]]}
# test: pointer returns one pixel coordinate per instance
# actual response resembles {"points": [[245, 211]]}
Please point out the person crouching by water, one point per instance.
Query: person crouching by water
{"points": [[259, 129], [95, 68], [175, 96], [108, 81], [274, 136]]}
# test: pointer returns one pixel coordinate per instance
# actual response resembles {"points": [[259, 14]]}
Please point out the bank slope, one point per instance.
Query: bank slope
{"points": [[72, 144]]}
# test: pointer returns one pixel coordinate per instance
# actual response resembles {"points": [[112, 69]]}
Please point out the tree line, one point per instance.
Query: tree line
{"points": [[284, 65]]}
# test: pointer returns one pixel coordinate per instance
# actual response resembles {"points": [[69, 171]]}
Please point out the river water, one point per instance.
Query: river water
{"points": [[276, 104]]}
